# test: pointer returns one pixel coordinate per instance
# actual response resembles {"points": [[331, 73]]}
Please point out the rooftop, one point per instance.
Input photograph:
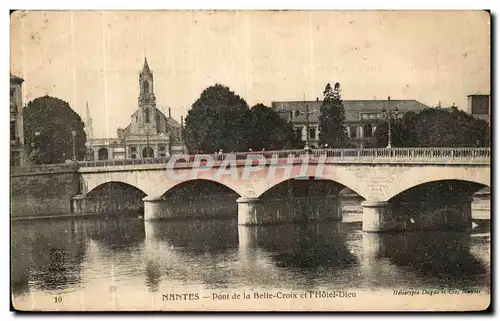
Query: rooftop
{"points": [[352, 107], [16, 79], [478, 94]]}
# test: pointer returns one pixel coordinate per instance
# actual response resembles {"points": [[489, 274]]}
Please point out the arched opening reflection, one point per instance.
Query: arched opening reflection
{"points": [[302, 254], [443, 205], [197, 250], [123, 234]]}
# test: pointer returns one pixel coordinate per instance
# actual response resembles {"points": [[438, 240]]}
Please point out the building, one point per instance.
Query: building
{"points": [[17, 154], [478, 105], [149, 134], [361, 117]]}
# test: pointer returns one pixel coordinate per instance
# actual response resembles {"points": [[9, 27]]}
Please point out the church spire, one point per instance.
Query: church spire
{"points": [[88, 123], [146, 72]]}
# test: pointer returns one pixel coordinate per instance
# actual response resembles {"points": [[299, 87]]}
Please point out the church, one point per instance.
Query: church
{"points": [[149, 134]]}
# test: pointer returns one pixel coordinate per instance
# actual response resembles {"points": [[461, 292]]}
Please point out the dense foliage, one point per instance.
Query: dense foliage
{"points": [[270, 131], [220, 119], [435, 127], [217, 120], [53, 120], [331, 120]]}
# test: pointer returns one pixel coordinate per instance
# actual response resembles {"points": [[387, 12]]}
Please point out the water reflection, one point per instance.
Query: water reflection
{"points": [[435, 258], [153, 275], [119, 233], [196, 237], [304, 246], [69, 255], [194, 251], [47, 255]]}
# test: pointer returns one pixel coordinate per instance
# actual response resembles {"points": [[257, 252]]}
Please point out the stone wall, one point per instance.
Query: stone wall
{"points": [[43, 190]]}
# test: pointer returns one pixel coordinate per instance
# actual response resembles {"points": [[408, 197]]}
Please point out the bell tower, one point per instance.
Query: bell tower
{"points": [[146, 117], [146, 95]]}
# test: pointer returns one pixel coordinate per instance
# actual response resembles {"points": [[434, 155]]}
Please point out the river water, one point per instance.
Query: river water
{"points": [[115, 262]]}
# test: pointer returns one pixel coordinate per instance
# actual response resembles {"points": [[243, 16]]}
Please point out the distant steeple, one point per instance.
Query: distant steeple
{"points": [[146, 72], [88, 123], [146, 88]]}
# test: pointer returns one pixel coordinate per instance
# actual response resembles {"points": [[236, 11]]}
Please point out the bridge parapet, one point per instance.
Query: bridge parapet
{"points": [[478, 156], [47, 169]]}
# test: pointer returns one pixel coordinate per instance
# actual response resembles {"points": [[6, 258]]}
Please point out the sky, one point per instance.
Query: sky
{"points": [[96, 56]]}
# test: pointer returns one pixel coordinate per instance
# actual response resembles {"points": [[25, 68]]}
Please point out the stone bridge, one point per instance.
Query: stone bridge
{"points": [[380, 176]]}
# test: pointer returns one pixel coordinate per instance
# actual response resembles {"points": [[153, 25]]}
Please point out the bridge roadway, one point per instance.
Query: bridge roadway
{"points": [[377, 175]]}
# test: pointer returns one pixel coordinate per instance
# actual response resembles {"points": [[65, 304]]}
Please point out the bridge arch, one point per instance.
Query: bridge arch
{"points": [[104, 184], [114, 197], [465, 187], [213, 182], [193, 198], [416, 176], [234, 185], [345, 181], [436, 204]]}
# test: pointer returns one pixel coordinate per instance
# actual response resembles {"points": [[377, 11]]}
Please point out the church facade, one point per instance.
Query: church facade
{"points": [[150, 133]]}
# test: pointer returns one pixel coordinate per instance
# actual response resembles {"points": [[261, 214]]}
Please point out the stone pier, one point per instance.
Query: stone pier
{"points": [[247, 211], [378, 217], [247, 236], [254, 211], [152, 208], [78, 204]]}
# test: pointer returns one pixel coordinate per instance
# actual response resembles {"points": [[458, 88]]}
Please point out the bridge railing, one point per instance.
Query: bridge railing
{"points": [[331, 154], [122, 162], [408, 153]]}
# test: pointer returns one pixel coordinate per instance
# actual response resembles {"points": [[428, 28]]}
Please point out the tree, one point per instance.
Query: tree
{"points": [[48, 126], [435, 127], [402, 131], [331, 120], [219, 119], [270, 131]]}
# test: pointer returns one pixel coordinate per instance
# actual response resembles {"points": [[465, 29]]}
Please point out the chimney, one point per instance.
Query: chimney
{"points": [[182, 121], [169, 112], [389, 98], [317, 98]]}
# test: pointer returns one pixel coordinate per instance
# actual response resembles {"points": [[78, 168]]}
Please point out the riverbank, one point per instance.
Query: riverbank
{"points": [[75, 215]]}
